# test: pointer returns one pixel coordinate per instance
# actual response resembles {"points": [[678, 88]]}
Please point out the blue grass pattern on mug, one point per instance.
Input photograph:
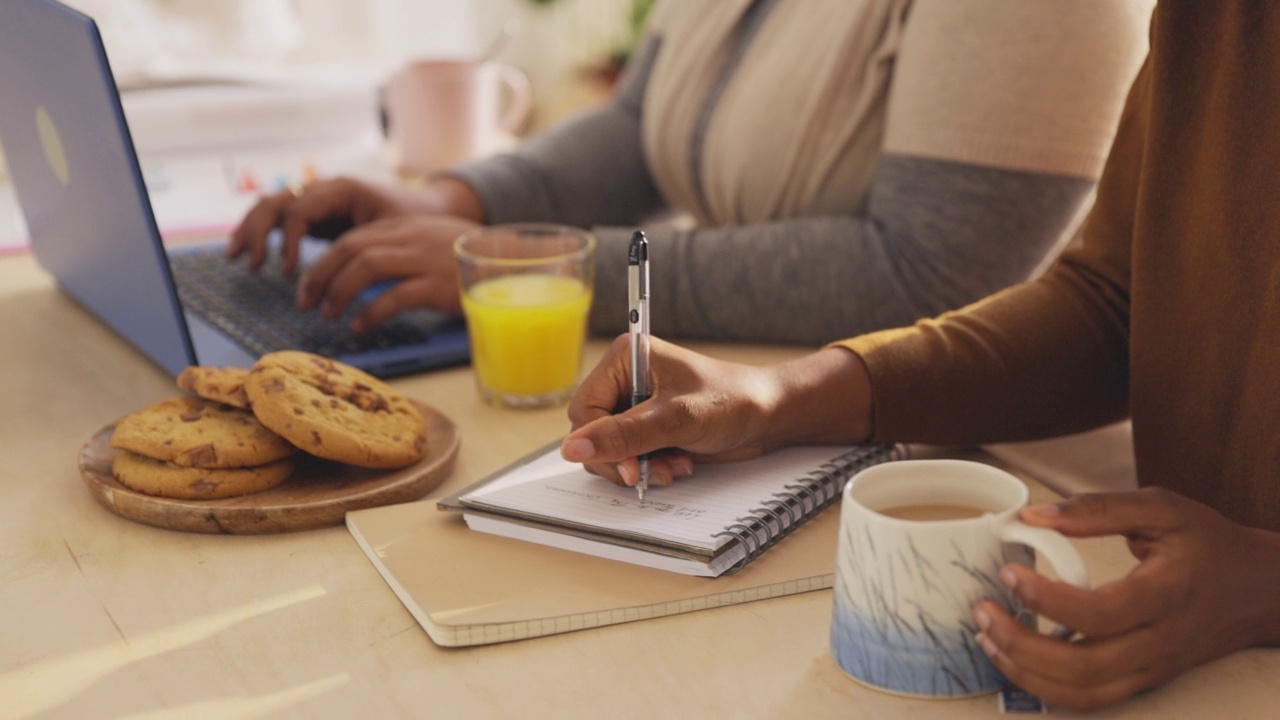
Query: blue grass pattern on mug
{"points": [[883, 634]]}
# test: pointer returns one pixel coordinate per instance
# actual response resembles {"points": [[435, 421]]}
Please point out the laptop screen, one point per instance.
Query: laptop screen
{"points": [[77, 178]]}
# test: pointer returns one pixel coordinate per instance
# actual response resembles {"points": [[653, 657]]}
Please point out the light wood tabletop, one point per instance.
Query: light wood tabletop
{"points": [[105, 617]]}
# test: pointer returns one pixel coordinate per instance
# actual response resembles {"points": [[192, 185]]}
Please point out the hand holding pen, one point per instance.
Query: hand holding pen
{"points": [[638, 333], [702, 410], [689, 407]]}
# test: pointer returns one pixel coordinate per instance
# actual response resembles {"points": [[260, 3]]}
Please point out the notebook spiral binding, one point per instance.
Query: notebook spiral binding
{"points": [[806, 497]]}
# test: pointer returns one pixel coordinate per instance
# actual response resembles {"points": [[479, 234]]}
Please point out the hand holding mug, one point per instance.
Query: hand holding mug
{"points": [[922, 542], [1202, 589]]}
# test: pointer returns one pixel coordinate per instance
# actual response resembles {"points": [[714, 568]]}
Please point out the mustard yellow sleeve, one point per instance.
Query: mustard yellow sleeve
{"points": [[1044, 358]]}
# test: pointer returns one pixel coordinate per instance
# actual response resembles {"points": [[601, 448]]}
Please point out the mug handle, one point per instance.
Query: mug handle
{"points": [[1055, 548], [519, 99]]}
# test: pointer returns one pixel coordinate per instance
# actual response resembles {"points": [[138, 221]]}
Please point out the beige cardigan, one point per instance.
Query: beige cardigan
{"points": [[815, 99]]}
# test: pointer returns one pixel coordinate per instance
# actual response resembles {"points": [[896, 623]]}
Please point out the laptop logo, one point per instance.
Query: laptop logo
{"points": [[51, 141]]}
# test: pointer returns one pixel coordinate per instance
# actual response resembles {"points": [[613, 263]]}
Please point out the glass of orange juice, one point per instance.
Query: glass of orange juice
{"points": [[526, 289]]}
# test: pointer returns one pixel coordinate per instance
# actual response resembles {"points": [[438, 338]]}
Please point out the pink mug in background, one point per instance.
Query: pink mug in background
{"points": [[442, 112]]}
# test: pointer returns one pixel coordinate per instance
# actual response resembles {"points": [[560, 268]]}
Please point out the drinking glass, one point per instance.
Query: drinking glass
{"points": [[526, 290]]}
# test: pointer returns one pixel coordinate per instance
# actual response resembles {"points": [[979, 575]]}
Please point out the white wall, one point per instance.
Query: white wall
{"points": [[553, 44]]}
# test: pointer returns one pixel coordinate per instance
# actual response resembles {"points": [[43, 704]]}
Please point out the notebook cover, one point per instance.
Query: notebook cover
{"points": [[470, 588]]}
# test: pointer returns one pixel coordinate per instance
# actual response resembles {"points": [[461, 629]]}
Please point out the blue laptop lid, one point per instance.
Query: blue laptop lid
{"points": [[78, 181]]}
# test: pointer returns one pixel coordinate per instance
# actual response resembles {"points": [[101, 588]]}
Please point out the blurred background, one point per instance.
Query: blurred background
{"points": [[228, 99], [565, 46]]}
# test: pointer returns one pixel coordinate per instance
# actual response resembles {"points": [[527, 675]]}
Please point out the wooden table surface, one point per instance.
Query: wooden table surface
{"points": [[104, 617]]}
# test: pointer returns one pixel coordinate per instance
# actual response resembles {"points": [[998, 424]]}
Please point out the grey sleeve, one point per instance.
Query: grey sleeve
{"points": [[936, 236], [588, 170]]}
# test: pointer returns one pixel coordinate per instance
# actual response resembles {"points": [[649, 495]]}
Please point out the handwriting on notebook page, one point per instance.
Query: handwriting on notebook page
{"points": [[694, 510], [611, 500]]}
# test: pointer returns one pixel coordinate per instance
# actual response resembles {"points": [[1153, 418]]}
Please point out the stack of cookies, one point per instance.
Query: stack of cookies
{"points": [[240, 431]]}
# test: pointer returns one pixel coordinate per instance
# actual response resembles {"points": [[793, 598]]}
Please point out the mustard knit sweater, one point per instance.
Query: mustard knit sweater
{"points": [[1169, 311]]}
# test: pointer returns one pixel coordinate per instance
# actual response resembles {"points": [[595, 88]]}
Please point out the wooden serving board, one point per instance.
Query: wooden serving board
{"points": [[319, 493]]}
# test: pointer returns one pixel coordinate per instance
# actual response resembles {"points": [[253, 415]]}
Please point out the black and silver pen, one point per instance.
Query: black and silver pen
{"points": [[638, 328]]}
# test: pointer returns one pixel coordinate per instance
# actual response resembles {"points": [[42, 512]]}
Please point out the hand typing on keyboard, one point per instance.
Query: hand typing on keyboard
{"points": [[397, 236]]}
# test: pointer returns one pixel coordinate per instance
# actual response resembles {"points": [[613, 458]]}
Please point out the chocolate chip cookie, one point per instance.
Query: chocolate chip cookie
{"points": [[221, 384], [165, 479], [335, 411], [195, 432]]}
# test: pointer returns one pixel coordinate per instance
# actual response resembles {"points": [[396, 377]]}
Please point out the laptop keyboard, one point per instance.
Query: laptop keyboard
{"points": [[257, 309]]}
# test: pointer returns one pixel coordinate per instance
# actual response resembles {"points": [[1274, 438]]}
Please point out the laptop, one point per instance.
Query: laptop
{"points": [[79, 184]]}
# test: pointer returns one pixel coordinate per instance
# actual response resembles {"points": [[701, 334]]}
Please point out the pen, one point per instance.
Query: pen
{"points": [[638, 329]]}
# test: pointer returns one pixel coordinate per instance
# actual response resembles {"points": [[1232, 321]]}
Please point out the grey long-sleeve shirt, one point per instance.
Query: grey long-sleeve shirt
{"points": [[934, 236]]}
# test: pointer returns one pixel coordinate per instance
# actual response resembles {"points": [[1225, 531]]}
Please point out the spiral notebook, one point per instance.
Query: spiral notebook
{"points": [[712, 523], [472, 588]]}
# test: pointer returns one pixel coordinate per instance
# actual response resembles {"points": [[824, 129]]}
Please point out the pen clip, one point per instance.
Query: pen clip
{"points": [[638, 267], [638, 250]]}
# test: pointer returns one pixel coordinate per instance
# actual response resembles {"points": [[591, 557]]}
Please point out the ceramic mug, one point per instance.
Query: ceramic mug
{"points": [[921, 543], [442, 112]]}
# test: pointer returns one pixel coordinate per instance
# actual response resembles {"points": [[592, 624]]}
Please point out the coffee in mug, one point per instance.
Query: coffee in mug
{"points": [[926, 512], [921, 543]]}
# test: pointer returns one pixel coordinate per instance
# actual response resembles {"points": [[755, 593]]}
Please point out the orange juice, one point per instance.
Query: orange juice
{"points": [[527, 333]]}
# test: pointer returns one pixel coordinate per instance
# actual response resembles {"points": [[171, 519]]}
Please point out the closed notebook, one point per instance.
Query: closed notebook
{"points": [[716, 521], [471, 588]]}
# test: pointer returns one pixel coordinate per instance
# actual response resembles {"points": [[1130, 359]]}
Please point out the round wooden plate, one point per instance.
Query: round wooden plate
{"points": [[319, 493]]}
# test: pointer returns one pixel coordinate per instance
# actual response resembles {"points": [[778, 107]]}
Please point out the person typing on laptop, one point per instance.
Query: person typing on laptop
{"points": [[91, 225], [847, 166]]}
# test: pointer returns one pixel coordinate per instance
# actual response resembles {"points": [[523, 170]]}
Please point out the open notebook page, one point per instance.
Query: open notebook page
{"points": [[692, 511]]}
